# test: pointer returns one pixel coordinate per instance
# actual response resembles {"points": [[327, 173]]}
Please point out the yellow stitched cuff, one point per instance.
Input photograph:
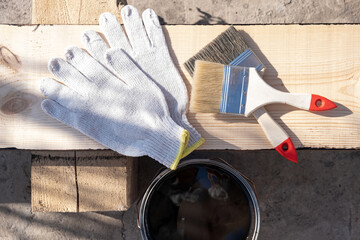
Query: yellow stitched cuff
{"points": [[183, 143], [193, 147]]}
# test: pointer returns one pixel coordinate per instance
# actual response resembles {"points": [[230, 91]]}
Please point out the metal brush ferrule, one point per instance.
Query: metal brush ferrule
{"points": [[249, 59], [234, 89]]}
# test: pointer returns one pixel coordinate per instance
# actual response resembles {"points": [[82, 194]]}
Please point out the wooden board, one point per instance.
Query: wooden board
{"points": [[53, 185], [106, 181], [80, 181], [72, 11], [322, 59]]}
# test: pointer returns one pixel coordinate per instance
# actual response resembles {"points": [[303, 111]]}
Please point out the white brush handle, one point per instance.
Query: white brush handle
{"points": [[298, 100], [276, 135], [259, 94]]}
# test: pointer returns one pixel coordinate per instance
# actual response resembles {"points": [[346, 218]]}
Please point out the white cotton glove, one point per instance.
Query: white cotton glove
{"points": [[145, 43], [128, 115]]}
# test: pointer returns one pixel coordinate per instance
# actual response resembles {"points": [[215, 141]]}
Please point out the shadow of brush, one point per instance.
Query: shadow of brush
{"points": [[270, 72]]}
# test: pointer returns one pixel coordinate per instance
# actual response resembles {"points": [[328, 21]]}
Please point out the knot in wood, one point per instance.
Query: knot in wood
{"points": [[17, 102], [9, 58]]}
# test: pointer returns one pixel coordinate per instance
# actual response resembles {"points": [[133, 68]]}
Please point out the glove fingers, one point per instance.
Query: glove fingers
{"points": [[70, 76], [95, 45], [60, 113], [134, 28], [88, 66], [153, 28], [126, 68], [90, 126], [62, 94], [113, 32]]}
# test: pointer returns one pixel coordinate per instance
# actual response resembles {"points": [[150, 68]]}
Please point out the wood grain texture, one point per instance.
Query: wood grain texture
{"points": [[106, 181], [319, 59], [82, 181], [53, 185], [71, 11]]}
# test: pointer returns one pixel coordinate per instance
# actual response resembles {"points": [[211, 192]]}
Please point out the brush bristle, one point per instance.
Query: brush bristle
{"points": [[223, 49], [207, 87]]}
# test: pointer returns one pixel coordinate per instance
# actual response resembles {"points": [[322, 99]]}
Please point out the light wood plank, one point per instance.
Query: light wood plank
{"points": [[106, 181], [71, 11], [53, 185], [322, 59], [81, 181]]}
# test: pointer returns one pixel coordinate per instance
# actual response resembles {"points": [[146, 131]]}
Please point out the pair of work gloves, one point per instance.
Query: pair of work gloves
{"points": [[129, 97]]}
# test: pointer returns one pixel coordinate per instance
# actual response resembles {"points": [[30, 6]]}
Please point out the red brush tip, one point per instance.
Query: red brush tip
{"points": [[287, 150], [319, 103]]}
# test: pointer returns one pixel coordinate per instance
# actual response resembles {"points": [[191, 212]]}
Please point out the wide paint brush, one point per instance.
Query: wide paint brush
{"points": [[240, 90]]}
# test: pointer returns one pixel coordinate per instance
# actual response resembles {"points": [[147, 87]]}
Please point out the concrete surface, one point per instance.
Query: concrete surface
{"points": [[15, 11], [253, 12], [220, 11], [315, 199], [18, 222]]}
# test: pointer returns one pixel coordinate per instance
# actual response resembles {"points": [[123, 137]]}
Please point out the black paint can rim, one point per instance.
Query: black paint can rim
{"points": [[255, 225]]}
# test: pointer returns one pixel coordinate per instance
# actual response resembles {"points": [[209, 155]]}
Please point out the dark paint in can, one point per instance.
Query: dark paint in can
{"points": [[201, 199]]}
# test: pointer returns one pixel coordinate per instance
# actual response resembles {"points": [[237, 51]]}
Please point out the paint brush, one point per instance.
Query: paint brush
{"points": [[230, 48], [240, 90]]}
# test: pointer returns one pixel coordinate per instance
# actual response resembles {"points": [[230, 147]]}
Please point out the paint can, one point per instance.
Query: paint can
{"points": [[201, 199]]}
